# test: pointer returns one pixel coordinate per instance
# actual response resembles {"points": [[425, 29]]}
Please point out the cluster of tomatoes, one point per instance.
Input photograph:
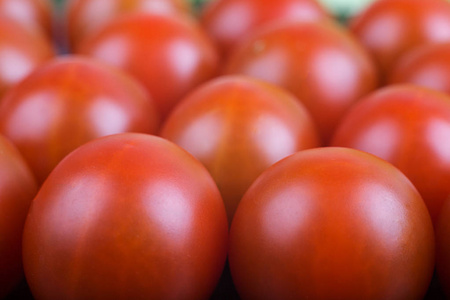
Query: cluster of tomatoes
{"points": [[308, 159]]}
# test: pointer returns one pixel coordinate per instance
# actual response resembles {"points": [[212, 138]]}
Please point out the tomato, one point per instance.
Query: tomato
{"points": [[332, 223], [33, 14], [21, 51], [408, 126], [86, 16], [68, 102], [17, 189], [389, 28], [443, 247], [169, 55], [427, 66], [128, 216], [321, 64], [229, 22], [237, 127]]}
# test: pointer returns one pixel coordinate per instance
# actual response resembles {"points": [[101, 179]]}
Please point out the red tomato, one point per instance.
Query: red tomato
{"points": [[169, 55], [408, 126], [332, 223], [17, 189], [443, 247], [21, 51], [229, 22], [237, 127], [427, 66], [129, 216], [86, 16], [68, 102], [33, 14], [321, 64], [389, 28]]}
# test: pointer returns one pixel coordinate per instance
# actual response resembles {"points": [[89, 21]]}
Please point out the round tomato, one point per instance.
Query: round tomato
{"points": [[86, 16], [17, 189], [332, 223], [443, 247], [229, 22], [389, 28], [129, 216], [427, 66], [237, 127], [169, 55], [321, 64], [408, 126], [21, 51], [68, 102]]}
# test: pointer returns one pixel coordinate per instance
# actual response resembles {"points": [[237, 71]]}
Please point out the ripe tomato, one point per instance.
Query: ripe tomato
{"points": [[237, 127], [229, 22], [332, 223], [427, 66], [408, 126], [321, 64], [17, 189], [389, 28], [86, 16], [169, 55], [21, 51], [443, 247], [68, 102], [128, 216]]}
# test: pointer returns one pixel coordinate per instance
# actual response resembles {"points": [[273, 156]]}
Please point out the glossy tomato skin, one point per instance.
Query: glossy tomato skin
{"points": [[319, 63], [238, 127], [86, 16], [68, 102], [169, 55], [389, 28], [21, 51], [427, 66], [408, 126], [332, 223], [128, 216], [17, 189], [230, 22]]}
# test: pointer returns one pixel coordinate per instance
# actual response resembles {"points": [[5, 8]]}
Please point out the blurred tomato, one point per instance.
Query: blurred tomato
{"points": [[33, 14], [237, 127], [68, 102], [129, 216], [169, 55], [17, 189], [389, 28], [21, 51], [332, 223], [86, 16], [427, 66], [408, 126], [229, 22], [321, 64]]}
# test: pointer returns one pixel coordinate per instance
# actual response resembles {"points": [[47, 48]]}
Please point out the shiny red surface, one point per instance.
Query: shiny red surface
{"points": [[408, 126], [389, 28], [169, 55], [17, 189], [321, 64], [129, 216], [332, 223], [68, 102], [230, 22], [237, 127]]}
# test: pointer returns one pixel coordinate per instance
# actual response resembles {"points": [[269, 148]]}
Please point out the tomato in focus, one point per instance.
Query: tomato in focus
{"points": [[68, 102], [129, 216], [17, 189], [332, 223], [320, 63], [237, 127], [169, 55], [408, 126]]}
